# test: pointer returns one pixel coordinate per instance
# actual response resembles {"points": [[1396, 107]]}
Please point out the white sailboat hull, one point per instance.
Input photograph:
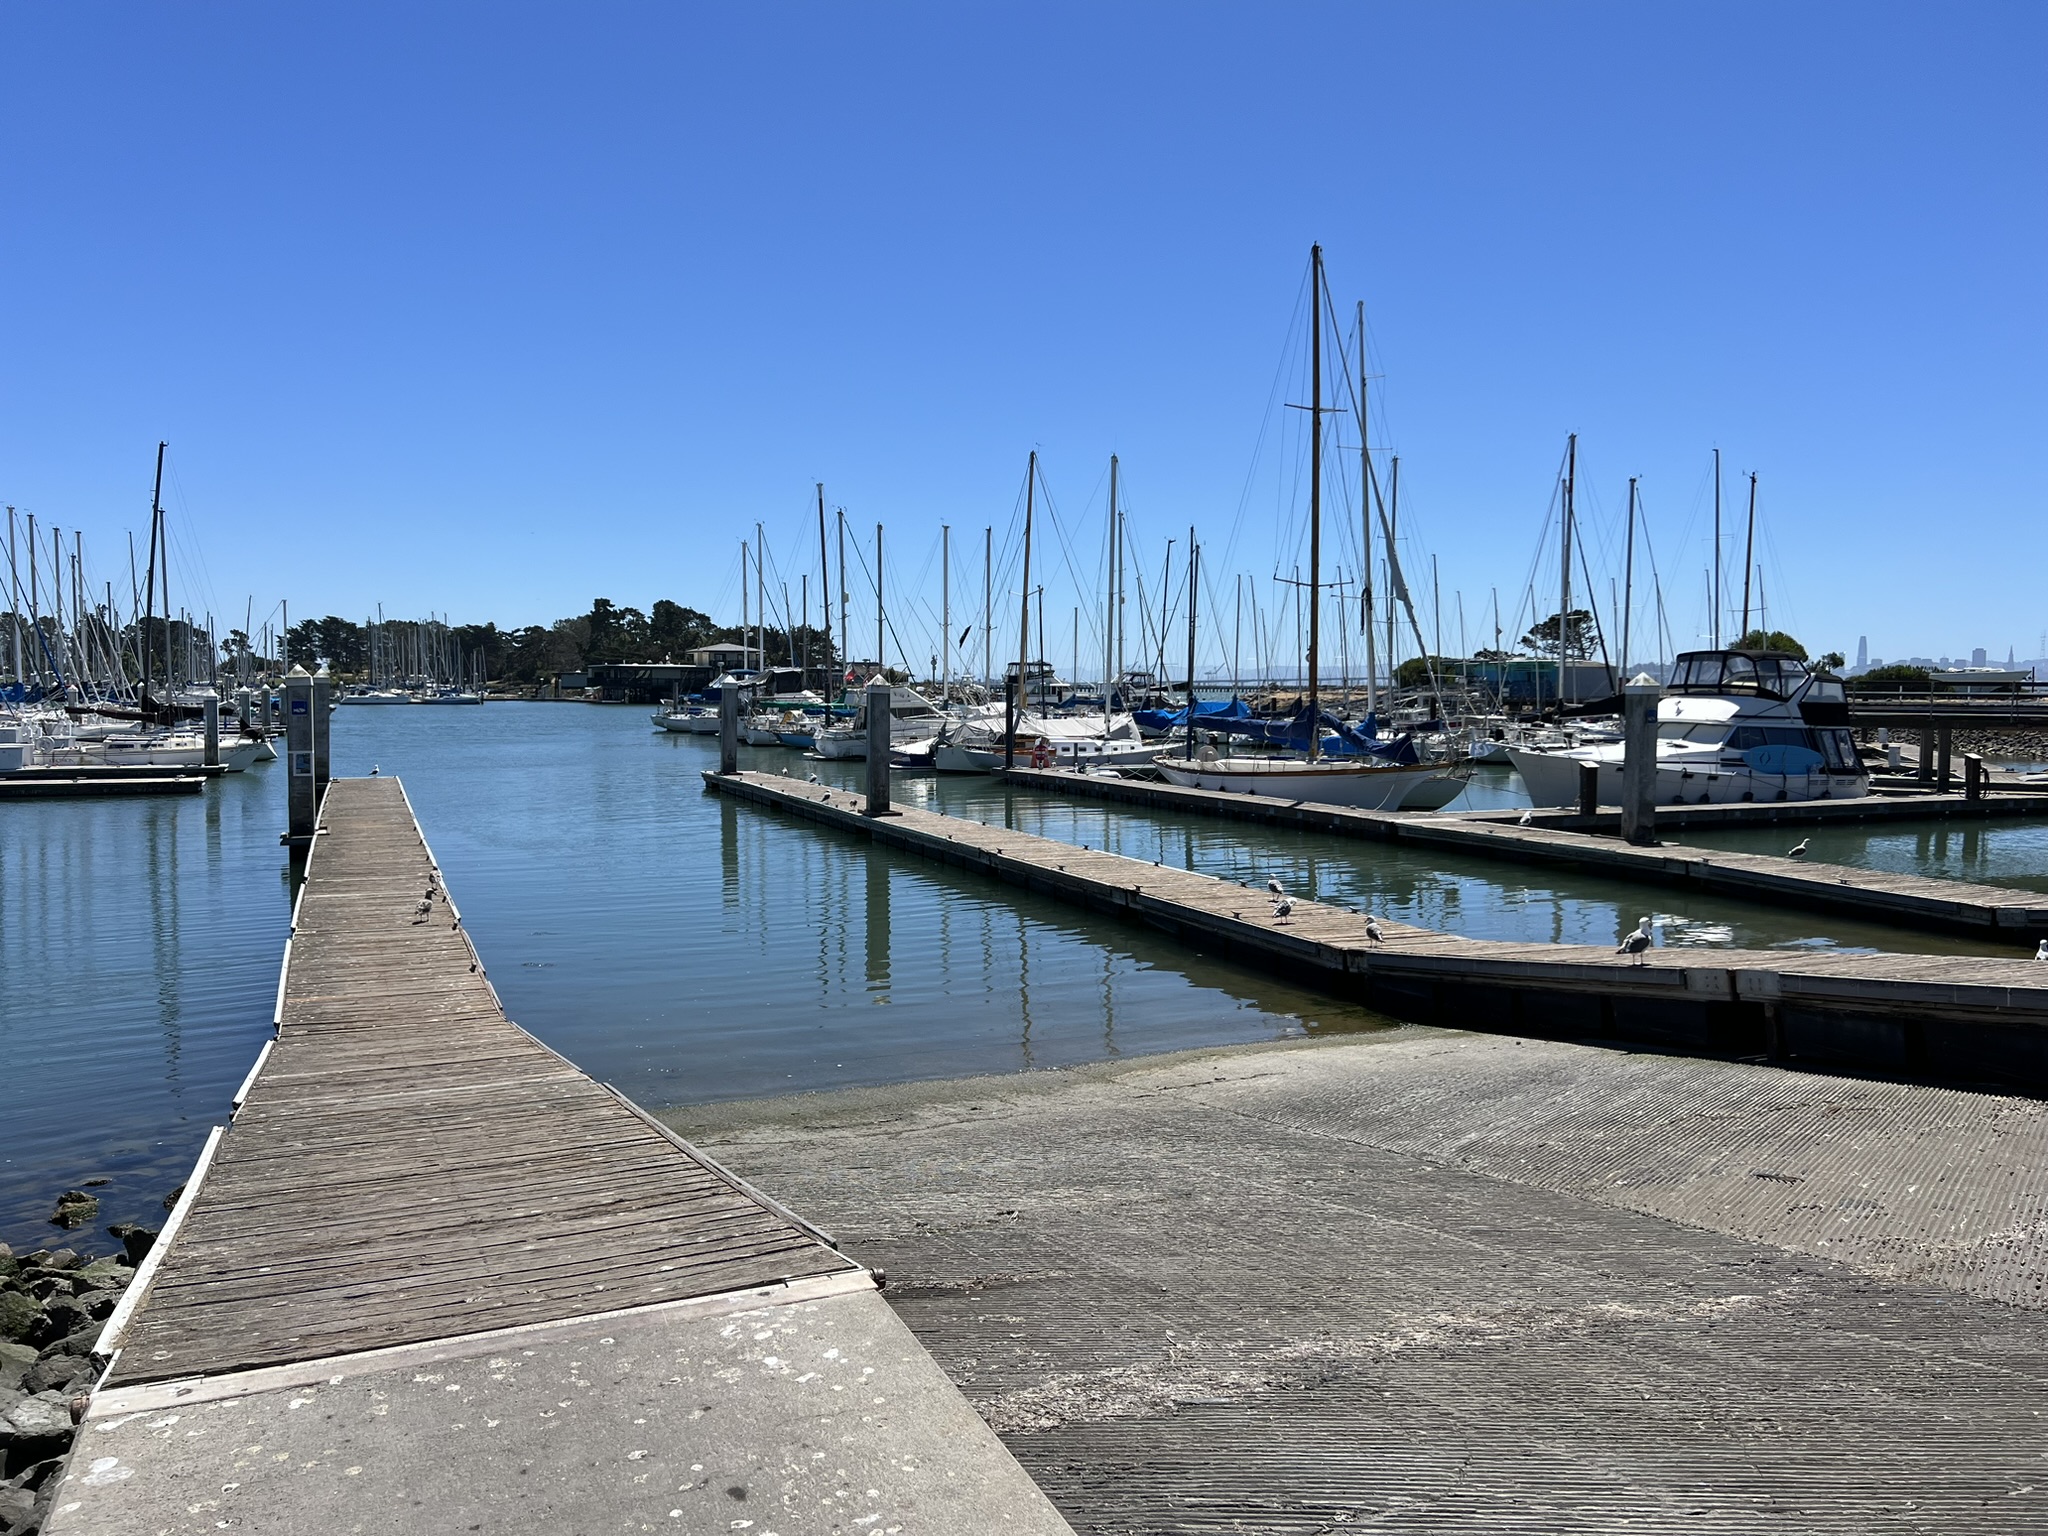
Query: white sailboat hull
{"points": [[1362, 786]]}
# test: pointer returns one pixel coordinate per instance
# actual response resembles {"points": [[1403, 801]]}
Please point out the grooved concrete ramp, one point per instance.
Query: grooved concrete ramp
{"points": [[1425, 1282], [433, 1277]]}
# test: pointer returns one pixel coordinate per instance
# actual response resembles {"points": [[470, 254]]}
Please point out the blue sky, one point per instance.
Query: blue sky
{"points": [[492, 310]]}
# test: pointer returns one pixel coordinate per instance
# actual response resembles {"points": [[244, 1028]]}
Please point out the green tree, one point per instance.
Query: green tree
{"points": [[1894, 679], [1771, 640], [1580, 636]]}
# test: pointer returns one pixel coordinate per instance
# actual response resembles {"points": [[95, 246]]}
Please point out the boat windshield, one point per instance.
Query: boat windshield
{"points": [[1759, 672], [1706, 733]]}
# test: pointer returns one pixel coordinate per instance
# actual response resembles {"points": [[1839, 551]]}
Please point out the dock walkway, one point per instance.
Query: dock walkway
{"points": [[1913, 901], [1957, 1018], [411, 1181]]}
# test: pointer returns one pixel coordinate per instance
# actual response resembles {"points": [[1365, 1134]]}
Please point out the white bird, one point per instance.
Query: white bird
{"points": [[1273, 884], [816, 780], [1636, 942], [2042, 952], [373, 770], [1526, 817], [1800, 851], [1283, 906], [1372, 930]]}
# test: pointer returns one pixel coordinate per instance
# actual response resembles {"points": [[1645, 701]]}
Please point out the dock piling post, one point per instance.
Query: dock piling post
{"points": [[1589, 789], [323, 713], [212, 713], [879, 721], [1639, 761], [1009, 723], [728, 729], [1943, 772], [302, 804], [1973, 776], [1926, 766]]}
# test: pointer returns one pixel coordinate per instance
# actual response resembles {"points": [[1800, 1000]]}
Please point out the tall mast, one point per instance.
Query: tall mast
{"points": [[1024, 621], [156, 501], [881, 649], [1194, 586], [743, 605], [1628, 576], [945, 612], [1109, 602], [1315, 500], [824, 582], [1748, 556], [845, 633], [1714, 585], [1395, 590], [1365, 613], [988, 612], [1564, 601], [760, 603]]}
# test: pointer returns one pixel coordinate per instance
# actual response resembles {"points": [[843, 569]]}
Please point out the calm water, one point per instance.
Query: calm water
{"points": [[680, 946]]}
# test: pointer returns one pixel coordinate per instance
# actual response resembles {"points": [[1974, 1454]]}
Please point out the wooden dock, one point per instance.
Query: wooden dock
{"points": [[1911, 901], [406, 1164], [1959, 1019], [429, 1257]]}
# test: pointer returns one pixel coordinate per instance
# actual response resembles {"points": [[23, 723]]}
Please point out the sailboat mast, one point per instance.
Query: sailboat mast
{"points": [[1714, 584], [1628, 575], [1564, 601], [1024, 619], [824, 584], [1315, 499], [1365, 613], [744, 620], [1748, 556], [1194, 587], [845, 632], [1109, 602], [881, 650], [945, 612], [156, 501]]}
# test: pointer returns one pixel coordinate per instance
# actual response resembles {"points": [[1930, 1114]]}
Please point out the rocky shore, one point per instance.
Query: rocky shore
{"points": [[53, 1303]]}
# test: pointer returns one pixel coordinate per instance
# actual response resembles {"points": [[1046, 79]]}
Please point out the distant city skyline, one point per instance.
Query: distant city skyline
{"points": [[493, 320]]}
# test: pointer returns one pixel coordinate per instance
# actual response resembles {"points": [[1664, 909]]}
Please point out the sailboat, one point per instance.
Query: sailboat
{"points": [[1364, 782]]}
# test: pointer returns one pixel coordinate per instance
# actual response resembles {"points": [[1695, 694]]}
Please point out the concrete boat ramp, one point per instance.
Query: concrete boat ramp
{"points": [[433, 1278]]}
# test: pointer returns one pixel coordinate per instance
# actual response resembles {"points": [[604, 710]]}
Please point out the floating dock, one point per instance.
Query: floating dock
{"points": [[1962, 1019], [75, 784], [430, 1257], [1911, 901]]}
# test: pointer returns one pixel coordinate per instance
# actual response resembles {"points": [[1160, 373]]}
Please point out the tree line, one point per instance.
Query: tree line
{"points": [[529, 654]]}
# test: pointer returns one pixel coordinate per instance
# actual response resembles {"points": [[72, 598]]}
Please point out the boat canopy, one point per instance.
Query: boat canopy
{"points": [[1205, 714], [1773, 674]]}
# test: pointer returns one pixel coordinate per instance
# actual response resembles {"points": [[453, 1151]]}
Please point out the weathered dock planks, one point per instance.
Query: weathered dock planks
{"points": [[1911, 901], [407, 1165], [1962, 1019]]}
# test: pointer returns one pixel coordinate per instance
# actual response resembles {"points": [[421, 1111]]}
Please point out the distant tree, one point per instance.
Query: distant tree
{"points": [[1833, 661], [1493, 656], [1894, 679], [614, 633], [1580, 636], [673, 629], [1771, 640]]}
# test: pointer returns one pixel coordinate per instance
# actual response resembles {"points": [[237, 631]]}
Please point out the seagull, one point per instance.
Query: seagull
{"points": [[2042, 952], [1283, 907], [1273, 884], [1526, 817], [1372, 930], [816, 780], [1800, 851], [373, 770], [1636, 942]]}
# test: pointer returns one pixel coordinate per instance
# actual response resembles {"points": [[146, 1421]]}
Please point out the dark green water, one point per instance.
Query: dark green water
{"points": [[670, 942]]}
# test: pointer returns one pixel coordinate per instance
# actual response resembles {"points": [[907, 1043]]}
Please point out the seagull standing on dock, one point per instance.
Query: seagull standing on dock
{"points": [[1800, 851], [2041, 953], [1526, 817], [1636, 943], [1372, 929], [1283, 907]]}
